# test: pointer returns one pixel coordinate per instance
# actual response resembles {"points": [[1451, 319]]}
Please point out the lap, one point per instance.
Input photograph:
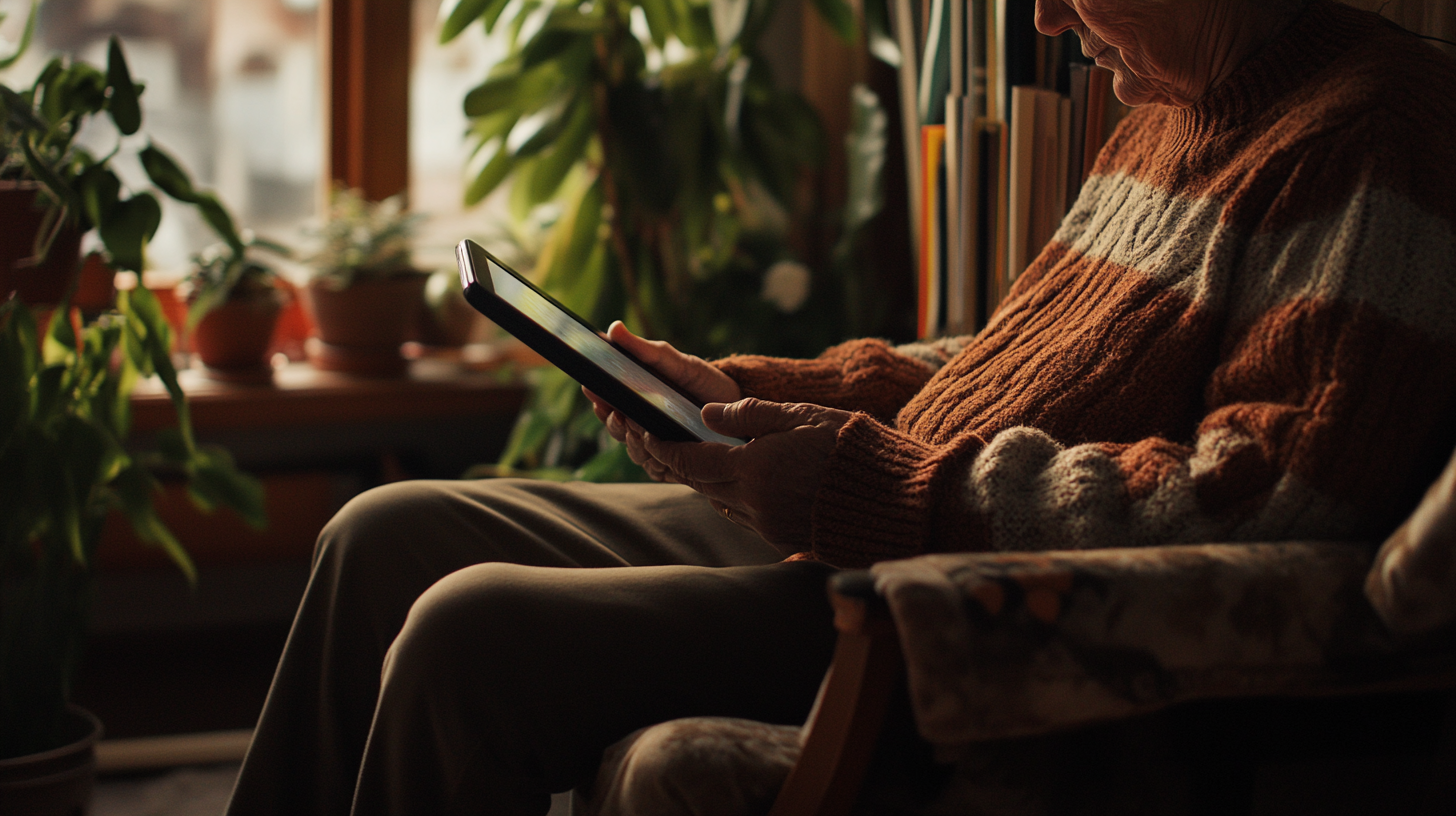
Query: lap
{"points": [[541, 523]]}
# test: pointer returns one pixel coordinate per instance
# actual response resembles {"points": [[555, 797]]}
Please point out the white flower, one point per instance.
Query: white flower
{"points": [[786, 285]]}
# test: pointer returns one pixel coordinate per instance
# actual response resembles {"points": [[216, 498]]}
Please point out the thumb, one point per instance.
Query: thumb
{"points": [[648, 351], [752, 417]]}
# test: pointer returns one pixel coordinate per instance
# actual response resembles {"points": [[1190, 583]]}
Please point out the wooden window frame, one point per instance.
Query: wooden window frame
{"points": [[367, 46]]}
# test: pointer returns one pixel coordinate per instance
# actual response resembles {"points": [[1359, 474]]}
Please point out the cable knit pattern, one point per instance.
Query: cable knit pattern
{"points": [[861, 375], [1244, 330]]}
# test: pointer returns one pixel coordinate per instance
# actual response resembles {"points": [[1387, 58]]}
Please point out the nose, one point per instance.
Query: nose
{"points": [[1055, 16]]}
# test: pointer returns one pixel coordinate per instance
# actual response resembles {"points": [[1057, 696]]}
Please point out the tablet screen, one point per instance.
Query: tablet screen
{"points": [[595, 348]]}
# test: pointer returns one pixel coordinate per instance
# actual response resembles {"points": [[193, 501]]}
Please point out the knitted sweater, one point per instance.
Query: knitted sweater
{"points": [[1245, 330]]}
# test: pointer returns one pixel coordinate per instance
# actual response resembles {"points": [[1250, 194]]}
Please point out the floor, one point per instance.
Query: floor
{"points": [[201, 791]]}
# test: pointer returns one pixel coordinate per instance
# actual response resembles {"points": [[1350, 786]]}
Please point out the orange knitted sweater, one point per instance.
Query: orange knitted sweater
{"points": [[1244, 330]]}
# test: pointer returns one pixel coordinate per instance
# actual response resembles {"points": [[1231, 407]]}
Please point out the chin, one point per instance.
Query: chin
{"points": [[1136, 91]]}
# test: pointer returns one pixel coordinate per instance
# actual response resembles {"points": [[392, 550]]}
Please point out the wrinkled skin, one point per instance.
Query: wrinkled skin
{"points": [[1167, 52], [768, 484]]}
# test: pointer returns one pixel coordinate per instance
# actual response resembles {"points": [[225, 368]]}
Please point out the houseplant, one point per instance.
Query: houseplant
{"points": [[363, 291], [233, 300], [676, 165], [65, 415], [233, 304]]}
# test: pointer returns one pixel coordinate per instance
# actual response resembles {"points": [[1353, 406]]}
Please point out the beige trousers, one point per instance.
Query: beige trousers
{"points": [[450, 656]]}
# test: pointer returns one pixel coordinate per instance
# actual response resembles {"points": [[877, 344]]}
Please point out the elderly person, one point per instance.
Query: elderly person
{"points": [[1242, 331]]}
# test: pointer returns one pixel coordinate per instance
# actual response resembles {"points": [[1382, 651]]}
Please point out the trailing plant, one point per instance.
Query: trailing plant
{"points": [[675, 165], [223, 270], [64, 400]]}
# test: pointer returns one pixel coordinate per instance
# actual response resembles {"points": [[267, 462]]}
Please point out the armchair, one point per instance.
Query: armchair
{"points": [[1271, 678]]}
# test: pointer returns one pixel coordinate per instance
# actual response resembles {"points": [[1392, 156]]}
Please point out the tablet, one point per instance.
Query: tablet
{"points": [[576, 347]]}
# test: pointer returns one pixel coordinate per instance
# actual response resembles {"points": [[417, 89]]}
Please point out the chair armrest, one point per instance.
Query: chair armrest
{"points": [[1011, 644], [840, 734]]}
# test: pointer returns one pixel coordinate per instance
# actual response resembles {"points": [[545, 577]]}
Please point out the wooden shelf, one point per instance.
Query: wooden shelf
{"points": [[302, 395], [315, 439]]}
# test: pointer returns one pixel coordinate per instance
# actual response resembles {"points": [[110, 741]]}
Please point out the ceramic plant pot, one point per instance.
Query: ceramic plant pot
{"points": [[233, 339], [360, 328], [56, 782]]}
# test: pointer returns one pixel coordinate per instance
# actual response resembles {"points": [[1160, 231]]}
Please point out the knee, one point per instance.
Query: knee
{"points": [[377, 523], [464, 613]]}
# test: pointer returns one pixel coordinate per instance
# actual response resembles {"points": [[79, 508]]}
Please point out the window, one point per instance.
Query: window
{"points": [[233, 91]]}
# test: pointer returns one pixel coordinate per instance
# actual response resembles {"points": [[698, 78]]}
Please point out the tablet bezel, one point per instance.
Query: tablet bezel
{"points": [[480, 294]]}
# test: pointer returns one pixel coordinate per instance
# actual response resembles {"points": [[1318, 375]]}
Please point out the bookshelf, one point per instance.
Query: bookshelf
{"points": [[1001, 129]]}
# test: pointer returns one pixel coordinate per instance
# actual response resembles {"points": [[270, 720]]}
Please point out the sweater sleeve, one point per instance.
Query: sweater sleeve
{"points": [[1327, 411], [861, 375]]}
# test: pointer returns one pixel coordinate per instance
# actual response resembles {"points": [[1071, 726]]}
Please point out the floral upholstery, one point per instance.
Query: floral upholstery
{"points": [[1002, 645]]}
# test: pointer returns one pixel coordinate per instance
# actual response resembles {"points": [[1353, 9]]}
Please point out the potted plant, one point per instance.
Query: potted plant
{"points": [[677, 166], [233, 300], [64, 421], [233, 304], [363, 292]]}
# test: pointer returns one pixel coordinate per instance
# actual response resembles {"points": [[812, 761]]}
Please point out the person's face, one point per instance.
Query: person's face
{"points": [[1162, 51]]}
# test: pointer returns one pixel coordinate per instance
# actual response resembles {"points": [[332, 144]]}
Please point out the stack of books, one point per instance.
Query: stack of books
{"points": [[1002, 125]]}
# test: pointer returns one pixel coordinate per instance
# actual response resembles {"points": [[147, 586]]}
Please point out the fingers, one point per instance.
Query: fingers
{"points": [[655, 353], [696, 464], [749, 418], [690, 373], [599, 405], [617, 423]]}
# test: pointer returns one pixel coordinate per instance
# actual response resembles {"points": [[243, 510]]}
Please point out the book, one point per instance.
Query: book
{"points": [[935, 65], [953, 233], [1022, 172], [902, 19], [932, 259], [1040, 137], [1077, 79]]}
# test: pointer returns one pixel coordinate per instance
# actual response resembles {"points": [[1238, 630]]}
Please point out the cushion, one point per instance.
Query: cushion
{"points": [[697, 766]]}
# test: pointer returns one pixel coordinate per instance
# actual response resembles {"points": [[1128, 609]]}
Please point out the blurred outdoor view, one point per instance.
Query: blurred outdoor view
{"points": [[235, 90]]}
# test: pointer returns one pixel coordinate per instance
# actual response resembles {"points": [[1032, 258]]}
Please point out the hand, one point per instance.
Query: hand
{"points": [[691, 374], [769, 483]]}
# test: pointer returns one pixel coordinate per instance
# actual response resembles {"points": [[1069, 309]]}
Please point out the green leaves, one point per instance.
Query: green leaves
{"points": [[63, 414], [676, 168], [217, 481], [127, 229], [467, 12], [45, 121], [25, 37], [125, 109], [170, 178], [840, 18]]}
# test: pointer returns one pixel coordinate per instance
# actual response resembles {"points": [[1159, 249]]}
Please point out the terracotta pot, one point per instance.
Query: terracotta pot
{"points": [[361, 327], [56, 782], [22, 211], [233, 339]]}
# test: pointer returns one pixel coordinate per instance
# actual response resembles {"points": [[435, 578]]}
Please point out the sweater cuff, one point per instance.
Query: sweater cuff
{"points": [[777, 379], [874, 502]]}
